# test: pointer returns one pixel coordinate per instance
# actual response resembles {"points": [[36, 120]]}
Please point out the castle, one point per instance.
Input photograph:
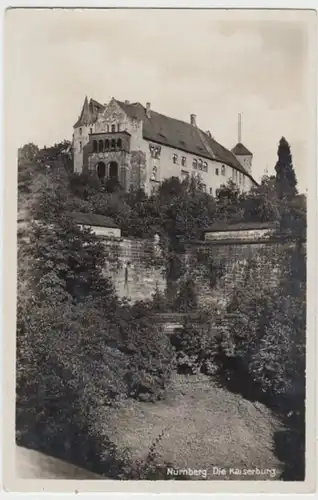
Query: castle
{"points": [[140, 148]]}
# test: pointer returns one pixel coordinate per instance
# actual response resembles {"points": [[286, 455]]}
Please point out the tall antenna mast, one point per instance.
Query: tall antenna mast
{"points": [[240, 128]]}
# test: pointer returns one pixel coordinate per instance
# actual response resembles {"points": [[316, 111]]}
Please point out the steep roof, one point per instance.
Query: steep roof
{"points": [[241, 150], [170, 132], [89, 112], [180, 135]]}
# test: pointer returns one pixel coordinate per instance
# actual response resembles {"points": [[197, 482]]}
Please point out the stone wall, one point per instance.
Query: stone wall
{"points": [[133, 267], [218, 266]]}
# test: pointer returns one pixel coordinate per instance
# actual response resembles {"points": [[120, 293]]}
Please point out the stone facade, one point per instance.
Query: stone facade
{"points": [[141, 151]]}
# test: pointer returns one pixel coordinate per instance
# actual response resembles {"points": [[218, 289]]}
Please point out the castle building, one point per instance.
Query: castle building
{"points": [[140, 148]]}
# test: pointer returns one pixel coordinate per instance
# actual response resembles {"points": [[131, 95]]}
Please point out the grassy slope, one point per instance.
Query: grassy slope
{"points": [[204, 426]]}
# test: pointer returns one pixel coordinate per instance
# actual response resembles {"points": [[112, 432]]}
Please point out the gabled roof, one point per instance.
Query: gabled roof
{"points": [[241, 150], [89, 112], [180, 135]]}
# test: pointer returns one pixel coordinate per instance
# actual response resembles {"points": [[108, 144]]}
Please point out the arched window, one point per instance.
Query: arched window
{"points": [[119, 144], [107, 127], [113, 144], [107, 144], [95, 146], [113, 128], [100, 146]]}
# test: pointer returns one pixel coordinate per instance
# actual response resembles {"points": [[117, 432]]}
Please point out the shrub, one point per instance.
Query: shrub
{"points": [[196, 345]]}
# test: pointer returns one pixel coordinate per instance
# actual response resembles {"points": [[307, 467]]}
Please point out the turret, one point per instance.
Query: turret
{"points": [[243, 155]]}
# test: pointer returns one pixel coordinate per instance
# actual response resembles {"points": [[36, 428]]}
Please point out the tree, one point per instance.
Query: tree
{"points": [[228, 203], [286, 181], [28, 152]]}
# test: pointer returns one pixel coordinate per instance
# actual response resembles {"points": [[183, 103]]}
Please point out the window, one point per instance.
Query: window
{"points": [[205, 166], [200, 164], [81, 147], [233, 174], [183, 161], [154, 173], [100, 146], [113, 128], [80, 131], [211, 191], [184, 174], [91, 130], [223, 169], [107, 144], [204, 188], [118, 127], [217, 192], [95, 146], [195, 163], [107, 127], [216, 171], [113, 144], [119, 144], [175, 158]]}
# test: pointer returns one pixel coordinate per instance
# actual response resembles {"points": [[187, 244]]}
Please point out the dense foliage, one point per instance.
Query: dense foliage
{"points": [[286, 181], [80, 348]]}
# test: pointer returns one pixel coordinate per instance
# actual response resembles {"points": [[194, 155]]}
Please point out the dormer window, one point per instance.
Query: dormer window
{"points": [[175, 158]]}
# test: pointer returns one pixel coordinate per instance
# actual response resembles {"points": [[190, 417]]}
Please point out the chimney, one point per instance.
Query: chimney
{"points": [[127, 102], [193, 120], [148, 110]]}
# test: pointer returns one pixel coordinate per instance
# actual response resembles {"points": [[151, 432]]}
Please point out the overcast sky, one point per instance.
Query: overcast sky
{"points": [[214, 64]]}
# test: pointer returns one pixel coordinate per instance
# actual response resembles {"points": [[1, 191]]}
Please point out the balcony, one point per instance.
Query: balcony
{"points": [[109, 141]]}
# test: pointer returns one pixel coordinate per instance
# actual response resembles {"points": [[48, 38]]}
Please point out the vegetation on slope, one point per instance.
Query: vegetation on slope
{"points": [[82, 351]]}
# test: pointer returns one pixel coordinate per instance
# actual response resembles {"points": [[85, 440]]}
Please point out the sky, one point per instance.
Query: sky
{"points": [[211, 63]]}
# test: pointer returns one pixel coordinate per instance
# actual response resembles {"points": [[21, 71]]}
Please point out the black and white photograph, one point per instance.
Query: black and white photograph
{"points": [[163, 167]]}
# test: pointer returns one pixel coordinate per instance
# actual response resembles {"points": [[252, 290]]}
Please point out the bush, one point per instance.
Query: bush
{"points": [[196, 345]]}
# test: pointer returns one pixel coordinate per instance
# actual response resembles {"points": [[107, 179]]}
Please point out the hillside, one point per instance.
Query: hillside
{"points": [[204, 426]]}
